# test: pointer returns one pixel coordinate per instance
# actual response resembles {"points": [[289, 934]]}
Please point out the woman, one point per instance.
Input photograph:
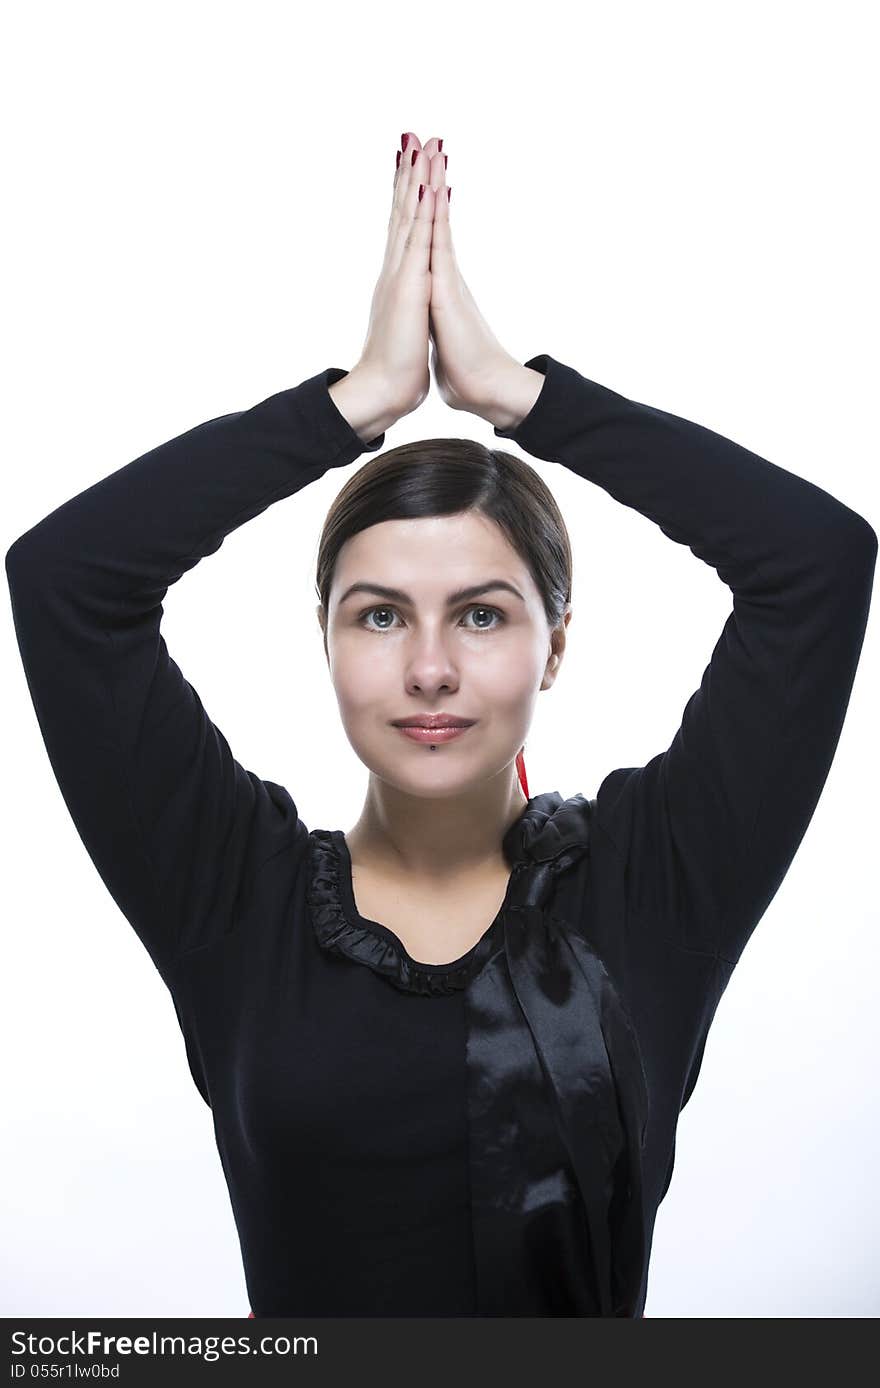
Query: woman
{"points": [[445, 1053]]}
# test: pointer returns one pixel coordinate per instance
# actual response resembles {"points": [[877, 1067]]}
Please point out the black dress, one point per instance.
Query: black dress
{"points": [[490, 1137]]}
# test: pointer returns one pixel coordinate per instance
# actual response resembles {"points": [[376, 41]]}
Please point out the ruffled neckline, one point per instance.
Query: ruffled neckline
{"points": [[550, 832]]}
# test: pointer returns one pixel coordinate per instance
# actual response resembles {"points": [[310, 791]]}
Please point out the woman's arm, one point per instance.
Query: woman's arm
{"points": [[173, 823], [709, 827]]}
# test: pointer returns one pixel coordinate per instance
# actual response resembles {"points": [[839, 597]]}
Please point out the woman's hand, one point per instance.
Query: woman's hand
{"points": [[472, 369], [394, 358]]}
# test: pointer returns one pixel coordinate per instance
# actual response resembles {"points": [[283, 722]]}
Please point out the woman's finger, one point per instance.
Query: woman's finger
{"points": [[439, 160], [404, 235], [408, 143], [417, 246], [403, 172], [402, 181], [442, 255], [401, 207]]}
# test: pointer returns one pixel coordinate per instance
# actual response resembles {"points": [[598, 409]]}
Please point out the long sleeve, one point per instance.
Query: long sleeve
{"points": [[174, 825], [708, 828]]}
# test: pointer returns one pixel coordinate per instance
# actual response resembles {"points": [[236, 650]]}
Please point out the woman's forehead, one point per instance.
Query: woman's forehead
{"points": [[420, 562], [417, 544]]}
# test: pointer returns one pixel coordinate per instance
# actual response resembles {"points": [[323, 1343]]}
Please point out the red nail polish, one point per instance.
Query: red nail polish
{"points": [[446, 161], [449, 193], [439, 146], [421, 191], [415, 156], [403, 142], [398, 159]]}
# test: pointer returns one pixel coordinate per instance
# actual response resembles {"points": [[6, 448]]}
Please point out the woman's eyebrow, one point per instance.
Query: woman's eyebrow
{"points": [[462, 594]]}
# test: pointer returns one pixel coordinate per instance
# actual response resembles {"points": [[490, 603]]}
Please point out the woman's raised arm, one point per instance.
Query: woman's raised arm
{"points": [[709, 827], [707, 830], [173, 823]]}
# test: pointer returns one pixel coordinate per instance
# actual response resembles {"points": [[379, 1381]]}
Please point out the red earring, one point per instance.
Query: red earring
{"points": [[521, 771]]}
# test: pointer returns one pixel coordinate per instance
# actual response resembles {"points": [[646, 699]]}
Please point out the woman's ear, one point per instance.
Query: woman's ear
{"points": [[557, 648]]}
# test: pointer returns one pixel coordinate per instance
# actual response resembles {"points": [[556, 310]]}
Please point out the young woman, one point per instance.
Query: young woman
{"points": [[446, 1052]]}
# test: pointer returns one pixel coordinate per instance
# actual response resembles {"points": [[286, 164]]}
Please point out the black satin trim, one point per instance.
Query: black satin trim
{"points": [[339, 928], [547, 827]]}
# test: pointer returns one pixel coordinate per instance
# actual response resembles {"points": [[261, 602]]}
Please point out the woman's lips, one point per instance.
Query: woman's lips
{"points": [[434, 734]]}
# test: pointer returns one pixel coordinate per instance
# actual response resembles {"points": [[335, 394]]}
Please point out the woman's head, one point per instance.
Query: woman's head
{"points": [[431, 520]]}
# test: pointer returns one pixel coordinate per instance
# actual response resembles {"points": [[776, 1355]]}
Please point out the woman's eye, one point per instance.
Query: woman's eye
{"points": [[370, 613], [481, 626], [492, 612]]}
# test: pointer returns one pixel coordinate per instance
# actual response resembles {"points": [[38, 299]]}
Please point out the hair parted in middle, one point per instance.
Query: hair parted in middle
{"points": [[444, 477]]}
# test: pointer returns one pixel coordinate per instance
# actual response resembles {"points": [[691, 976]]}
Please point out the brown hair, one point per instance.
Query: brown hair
{"points": [[443, 477]]}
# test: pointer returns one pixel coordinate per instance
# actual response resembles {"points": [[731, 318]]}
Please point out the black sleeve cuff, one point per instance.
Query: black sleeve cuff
{"points": [[332, 422], [561, 405]]}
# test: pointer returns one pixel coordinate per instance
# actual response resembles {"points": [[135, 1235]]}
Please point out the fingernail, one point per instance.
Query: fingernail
{"points": [[446, 161], [415, 156], [421, 191], [398, 159], [439, 145], [403, 142], [449, 193]]}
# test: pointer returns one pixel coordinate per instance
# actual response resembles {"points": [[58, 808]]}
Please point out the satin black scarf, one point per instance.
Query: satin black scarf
{"points": [[557, 1101]]}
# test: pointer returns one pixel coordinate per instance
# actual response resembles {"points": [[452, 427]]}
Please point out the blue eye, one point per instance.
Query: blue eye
{"points": [[493, 611]]}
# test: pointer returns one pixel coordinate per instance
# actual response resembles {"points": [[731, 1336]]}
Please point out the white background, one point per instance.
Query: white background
{"points": [[675, 199]]}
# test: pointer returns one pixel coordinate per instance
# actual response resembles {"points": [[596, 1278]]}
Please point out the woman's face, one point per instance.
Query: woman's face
{"points": [[424, 650]]}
